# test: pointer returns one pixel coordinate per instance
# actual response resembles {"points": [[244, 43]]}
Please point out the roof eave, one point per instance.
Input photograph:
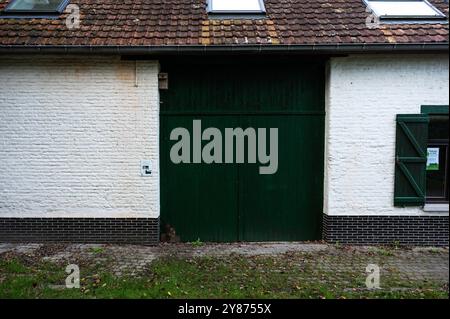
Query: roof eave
{"points": [[227, 49]]}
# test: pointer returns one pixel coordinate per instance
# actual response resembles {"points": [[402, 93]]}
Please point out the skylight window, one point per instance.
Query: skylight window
{"points": [[36, 6], [413, 9], [236, 6]]}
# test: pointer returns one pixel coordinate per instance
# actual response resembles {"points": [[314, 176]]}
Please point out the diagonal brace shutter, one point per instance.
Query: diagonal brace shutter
{"points": [[411, 159]]}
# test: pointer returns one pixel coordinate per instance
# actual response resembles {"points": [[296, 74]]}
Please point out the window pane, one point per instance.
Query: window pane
{"points": [[437, 161], [436, 173], [236, 5], [438, 129], [35, 5], [403, 8]]}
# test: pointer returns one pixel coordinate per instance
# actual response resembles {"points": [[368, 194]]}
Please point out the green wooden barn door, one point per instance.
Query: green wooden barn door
{"points": [[197, 200], [233, 202], [286, 205]]}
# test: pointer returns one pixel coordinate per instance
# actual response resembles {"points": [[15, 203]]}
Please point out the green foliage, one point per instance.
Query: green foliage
{"points": [[97, 250], [197, 243], [13, 266]]}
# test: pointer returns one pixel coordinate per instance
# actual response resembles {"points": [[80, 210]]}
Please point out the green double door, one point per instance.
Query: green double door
{"points": [[225, 202]]}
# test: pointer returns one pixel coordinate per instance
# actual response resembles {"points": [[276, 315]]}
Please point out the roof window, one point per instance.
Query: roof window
{"points": [[35, 8], [233, 7], [406, 9]]}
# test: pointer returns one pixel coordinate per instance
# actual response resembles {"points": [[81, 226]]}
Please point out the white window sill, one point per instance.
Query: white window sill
{"points": [[436, 208]]}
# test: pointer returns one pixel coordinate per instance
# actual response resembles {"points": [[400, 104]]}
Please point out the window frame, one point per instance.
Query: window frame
{"points": [[431, 110], [439, 16], [210, 10]]}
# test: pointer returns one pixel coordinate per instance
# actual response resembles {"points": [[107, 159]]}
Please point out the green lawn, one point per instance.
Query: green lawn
{"points": [[285, 276]]}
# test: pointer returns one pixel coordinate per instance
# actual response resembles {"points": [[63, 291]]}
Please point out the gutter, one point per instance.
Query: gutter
{"points": [[230, 49]]}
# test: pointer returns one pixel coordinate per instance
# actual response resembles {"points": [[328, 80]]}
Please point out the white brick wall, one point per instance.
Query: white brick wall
{"points": [[364, 94], [72, 133]]}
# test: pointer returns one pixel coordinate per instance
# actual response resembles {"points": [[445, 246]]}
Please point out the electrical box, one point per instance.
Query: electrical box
{"points": [[146, 168]]}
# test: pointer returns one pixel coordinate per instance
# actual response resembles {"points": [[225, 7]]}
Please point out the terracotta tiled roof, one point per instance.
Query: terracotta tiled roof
{"points": [[185, 22]]}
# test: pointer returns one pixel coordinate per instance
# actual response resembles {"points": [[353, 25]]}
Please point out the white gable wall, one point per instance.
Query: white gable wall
{"points": [[364, 95], [73, 131]]}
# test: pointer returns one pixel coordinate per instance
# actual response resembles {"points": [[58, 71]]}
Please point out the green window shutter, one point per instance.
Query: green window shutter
{"points": [[411, 159]]}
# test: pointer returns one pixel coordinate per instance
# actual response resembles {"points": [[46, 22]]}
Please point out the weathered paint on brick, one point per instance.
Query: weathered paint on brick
{"points": [[72, 133], [364, 95]]}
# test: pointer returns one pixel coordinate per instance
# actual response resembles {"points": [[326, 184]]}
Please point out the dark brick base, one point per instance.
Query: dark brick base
{"points": [[405, 230], [144, 231]]}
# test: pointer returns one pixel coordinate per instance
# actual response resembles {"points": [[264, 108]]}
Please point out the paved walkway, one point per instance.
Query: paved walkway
{"points": [[406, 263]]}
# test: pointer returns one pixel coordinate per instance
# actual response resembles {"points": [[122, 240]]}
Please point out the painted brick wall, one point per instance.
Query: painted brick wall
{"points": [[364, 94], [73, 131]]}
